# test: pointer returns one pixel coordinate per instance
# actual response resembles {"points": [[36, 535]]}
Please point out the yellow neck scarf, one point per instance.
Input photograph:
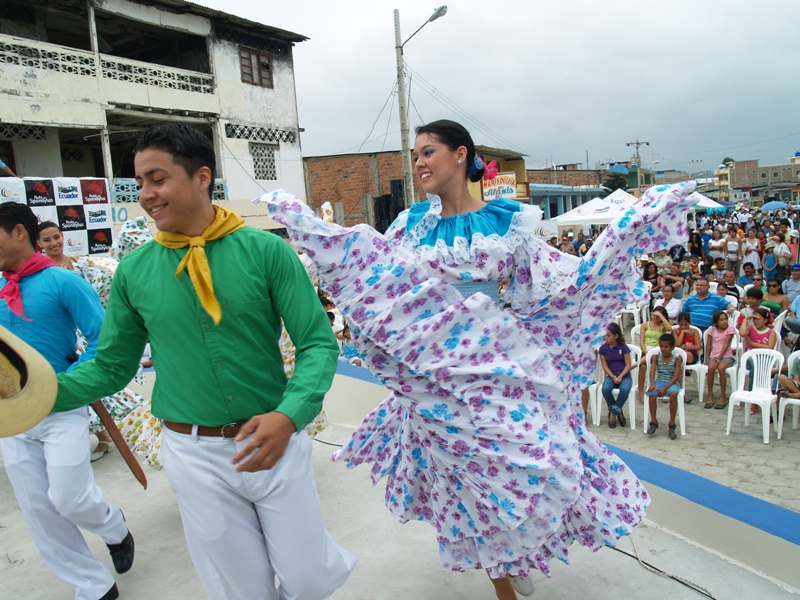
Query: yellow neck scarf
{"points": [[195, 261]]}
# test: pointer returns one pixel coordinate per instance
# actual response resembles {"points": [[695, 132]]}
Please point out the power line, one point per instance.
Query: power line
{"points": [[388, 121], [463, 114], [391, 94]]}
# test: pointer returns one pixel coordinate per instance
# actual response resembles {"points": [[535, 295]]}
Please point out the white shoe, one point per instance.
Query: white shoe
{"points": [[522, 585], [97, 455]]}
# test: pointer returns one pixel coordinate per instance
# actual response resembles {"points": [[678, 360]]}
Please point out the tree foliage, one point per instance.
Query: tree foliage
{"points": [[727, 160], [615, 181]]}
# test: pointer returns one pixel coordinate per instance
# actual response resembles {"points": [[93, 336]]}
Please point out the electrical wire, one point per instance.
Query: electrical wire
{"points": [[388, 121], [327, 443], [463, 114], [411, 100], [371, 129]]}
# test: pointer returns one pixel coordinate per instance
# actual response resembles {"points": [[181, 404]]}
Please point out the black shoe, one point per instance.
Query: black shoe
{"points": [[122, 554], [672, 434], [622, 420], [652, 428], [111, 594]]}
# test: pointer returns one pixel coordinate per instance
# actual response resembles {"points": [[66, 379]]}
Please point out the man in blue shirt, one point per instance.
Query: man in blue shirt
{"points": [[702, 306], [747, 277], [48, 465]]}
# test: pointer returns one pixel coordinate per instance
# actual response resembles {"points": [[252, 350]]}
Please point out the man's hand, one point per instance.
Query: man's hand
{"points": [[271, 433]]}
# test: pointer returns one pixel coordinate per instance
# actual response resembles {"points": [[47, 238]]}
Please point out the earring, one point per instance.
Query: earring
{"points": [[459, 162]]}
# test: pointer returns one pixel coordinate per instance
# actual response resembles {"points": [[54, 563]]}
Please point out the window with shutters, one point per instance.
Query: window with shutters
{"points": [[256, 67], [264, 167]]}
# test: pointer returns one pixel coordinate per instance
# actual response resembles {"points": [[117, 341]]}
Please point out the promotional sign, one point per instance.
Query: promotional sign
{"points": [[504, 185], [81, 207], [547, 229]]}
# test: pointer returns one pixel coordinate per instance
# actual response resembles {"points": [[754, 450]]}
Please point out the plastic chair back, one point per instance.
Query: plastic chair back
{"points": [[764, 361]]}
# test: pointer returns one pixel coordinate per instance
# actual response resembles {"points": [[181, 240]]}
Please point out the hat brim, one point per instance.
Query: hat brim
{"points": [[38, 387]]}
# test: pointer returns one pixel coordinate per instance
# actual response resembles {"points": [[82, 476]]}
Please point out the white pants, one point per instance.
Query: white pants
{"points": [[243, 529], [49, 469]]}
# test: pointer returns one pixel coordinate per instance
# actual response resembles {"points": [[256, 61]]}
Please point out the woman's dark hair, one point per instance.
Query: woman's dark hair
{"points": [[454, 135], [695, 237], [685, 316], [647, 268], [13, 214], [47, 225], [189, 148], [717, 316], [617, 331]]}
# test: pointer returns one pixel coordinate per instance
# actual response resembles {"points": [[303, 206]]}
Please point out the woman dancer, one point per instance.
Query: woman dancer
{"points": [[483, 433]]}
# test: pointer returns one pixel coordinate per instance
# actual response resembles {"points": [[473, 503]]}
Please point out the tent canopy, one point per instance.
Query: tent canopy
{"points": [[704, 201], [599, 211]]}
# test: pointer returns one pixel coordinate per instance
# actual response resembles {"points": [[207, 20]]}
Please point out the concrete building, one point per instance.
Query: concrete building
{"points": [[765, 182], [79, 81], [555, 200], [570, 174]]}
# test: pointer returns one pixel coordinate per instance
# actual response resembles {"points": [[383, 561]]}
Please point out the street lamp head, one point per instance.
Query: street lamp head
{"points": [[439, 12]]}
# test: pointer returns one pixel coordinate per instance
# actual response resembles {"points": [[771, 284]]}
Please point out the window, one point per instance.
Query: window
{"points": [[775, 174], [264, 167], [763, 176], [256, 67]]}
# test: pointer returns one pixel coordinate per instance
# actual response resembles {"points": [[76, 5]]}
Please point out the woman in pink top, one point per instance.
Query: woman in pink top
{"points": [[719, 356], [759, 335]]}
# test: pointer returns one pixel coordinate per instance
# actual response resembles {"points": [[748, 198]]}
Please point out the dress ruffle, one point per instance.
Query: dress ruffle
{"points": [[483, 433]]}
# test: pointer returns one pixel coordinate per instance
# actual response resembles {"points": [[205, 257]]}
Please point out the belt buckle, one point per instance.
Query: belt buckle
{"points": [[222, 430]]}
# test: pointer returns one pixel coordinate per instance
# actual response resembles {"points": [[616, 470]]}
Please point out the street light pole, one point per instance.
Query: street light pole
{"points": [[402, 100], [405, 149]]}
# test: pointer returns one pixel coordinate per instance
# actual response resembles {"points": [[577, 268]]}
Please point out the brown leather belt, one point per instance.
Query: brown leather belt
{"points": [[227, 431]]}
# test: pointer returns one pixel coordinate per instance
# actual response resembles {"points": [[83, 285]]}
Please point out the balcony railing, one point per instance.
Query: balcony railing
{"points": [[123, 69], [127, 191], [41, 55]]}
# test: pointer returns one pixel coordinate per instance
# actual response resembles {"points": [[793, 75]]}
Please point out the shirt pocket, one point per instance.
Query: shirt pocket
{"points": [[252, 330]]}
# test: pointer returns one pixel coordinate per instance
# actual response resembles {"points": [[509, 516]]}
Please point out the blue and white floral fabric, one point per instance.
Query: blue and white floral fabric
{"points": [[483, 432]]}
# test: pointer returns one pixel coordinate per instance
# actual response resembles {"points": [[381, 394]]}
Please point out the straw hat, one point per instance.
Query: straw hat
{"points": [[28, 385]]}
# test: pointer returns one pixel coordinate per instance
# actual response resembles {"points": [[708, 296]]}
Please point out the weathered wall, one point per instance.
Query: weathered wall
{"points": [[38, 158]]}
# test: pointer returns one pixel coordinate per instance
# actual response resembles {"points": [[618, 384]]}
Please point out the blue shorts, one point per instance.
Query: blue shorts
{"points": [[660, 384]]}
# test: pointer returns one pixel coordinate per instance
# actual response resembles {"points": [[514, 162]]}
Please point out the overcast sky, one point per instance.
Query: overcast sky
{"points": [[699, 80]]}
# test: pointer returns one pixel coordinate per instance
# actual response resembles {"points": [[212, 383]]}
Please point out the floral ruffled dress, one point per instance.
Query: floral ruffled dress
{"points": [[483, 432]]}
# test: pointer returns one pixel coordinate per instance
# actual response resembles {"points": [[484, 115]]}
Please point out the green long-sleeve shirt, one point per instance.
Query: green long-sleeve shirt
{"points": [[212, 375]]}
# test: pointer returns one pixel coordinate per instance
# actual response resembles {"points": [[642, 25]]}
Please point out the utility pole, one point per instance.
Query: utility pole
{"points": [[408, 177], [637, 143]]}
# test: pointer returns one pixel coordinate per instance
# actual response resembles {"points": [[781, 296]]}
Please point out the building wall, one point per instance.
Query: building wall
{"points": [[38, 158], [348, 177], [570, 178]]}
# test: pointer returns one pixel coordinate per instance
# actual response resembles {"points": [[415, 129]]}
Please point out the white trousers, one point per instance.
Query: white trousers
{"points": [[49, 469], [243, 529]]}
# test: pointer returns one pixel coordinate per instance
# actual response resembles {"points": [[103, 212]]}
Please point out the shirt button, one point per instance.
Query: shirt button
{"points": [[219, 365], [230, 397], [205, 327]]}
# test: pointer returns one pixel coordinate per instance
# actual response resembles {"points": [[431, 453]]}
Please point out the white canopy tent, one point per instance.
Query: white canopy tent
{"points": [[704, 201], [598, 211]]}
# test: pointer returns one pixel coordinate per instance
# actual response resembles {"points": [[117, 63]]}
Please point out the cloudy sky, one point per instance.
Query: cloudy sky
{"points": [[699, 80]]}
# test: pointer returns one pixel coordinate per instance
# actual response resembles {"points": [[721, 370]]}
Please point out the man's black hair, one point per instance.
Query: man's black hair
{"points": [[13, 214], [189, 148]]}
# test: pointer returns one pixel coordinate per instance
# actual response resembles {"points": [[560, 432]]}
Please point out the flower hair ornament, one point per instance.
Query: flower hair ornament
{"points": [[490, 169]]}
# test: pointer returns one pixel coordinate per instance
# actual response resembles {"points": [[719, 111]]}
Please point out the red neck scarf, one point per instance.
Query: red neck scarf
{"points": [[10, 291]]}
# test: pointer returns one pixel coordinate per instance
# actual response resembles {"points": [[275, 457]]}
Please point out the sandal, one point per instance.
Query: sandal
{"points": [[721, 406], [97, 454], [709, 404], [652, 428]]}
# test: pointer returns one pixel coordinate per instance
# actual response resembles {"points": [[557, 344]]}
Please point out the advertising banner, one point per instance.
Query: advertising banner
{"points": [[81, 207], [547, 229], [504, 185]]}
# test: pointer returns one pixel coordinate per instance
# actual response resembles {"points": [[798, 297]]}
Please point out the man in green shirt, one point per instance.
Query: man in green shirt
{"points": [[209, 294]]}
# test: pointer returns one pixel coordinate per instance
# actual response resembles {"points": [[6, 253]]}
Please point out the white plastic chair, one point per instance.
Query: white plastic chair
{"points": [[736, 346], [698, 369], [596, 394], [795, 402], [747, 287], [681, 383], [764, 362], [777, 325]]}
